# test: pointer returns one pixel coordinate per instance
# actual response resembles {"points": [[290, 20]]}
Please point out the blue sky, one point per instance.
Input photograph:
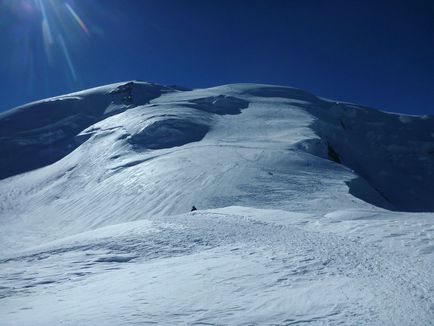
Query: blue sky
{"points": [[374, 53]]}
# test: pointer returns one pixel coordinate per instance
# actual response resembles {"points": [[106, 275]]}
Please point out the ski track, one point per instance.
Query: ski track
{"points": [[287, 257]]}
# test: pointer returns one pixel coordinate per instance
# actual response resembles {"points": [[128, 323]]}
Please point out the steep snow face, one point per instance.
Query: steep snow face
{"points": [[393, 153], [297, 196], [40, 133]]}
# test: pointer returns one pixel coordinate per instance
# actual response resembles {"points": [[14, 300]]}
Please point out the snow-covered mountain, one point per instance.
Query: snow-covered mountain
{"points": [[309, 210]]}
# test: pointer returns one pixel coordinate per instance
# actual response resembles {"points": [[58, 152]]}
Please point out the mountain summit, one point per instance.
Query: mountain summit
{"points": [[384, 159], [297, 196]]}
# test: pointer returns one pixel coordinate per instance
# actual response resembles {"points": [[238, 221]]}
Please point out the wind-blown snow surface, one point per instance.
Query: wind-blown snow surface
{"points": [[310, 211]]}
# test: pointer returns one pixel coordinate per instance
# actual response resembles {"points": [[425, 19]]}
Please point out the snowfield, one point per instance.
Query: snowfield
{"points": [[309, 210]]}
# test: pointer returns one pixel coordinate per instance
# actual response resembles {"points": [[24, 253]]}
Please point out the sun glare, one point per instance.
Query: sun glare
{"points": [[59, 24]]}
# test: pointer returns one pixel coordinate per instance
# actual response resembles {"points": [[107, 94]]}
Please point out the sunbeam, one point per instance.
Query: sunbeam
{"points": [[53, 26], [67, 57]]}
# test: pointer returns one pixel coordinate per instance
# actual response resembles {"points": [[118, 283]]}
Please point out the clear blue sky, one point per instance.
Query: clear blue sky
{"points": [[375, 53]]}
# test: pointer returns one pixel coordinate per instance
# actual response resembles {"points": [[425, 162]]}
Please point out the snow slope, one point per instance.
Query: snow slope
{"points": [[45, 131], [310, 210]]}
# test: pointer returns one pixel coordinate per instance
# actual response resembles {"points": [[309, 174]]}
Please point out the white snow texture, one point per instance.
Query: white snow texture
{"points": [[309, 210]]}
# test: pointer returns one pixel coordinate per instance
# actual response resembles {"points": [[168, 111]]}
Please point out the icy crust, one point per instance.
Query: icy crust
{"points": [[219, 104], [168, 133]]}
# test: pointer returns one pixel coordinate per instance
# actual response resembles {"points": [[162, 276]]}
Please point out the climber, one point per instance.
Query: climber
{"points": [[193, 209]]}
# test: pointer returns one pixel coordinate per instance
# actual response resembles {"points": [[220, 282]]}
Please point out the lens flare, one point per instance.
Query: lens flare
{"points": [[78, 19]]}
